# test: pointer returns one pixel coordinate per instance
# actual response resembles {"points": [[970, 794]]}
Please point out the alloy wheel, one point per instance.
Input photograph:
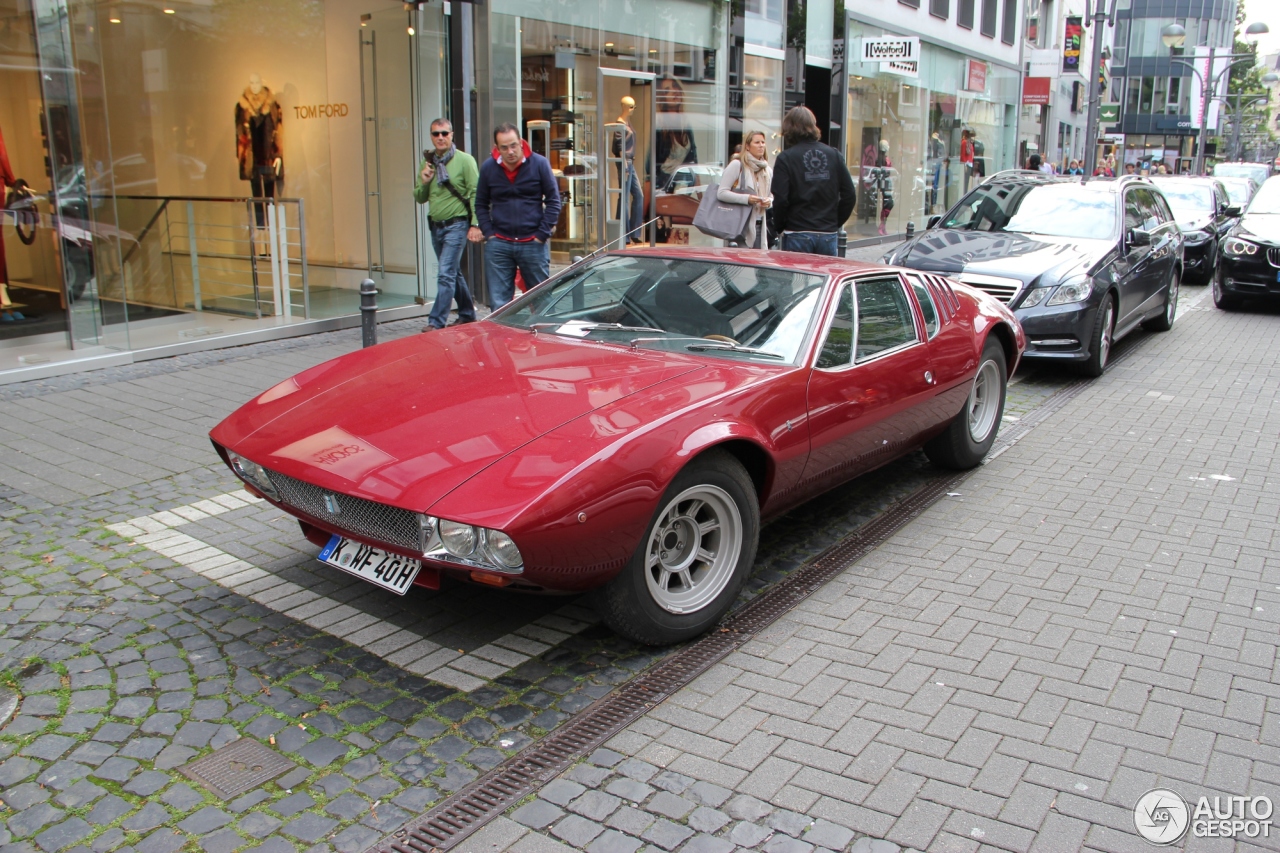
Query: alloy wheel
{"points": [[1171, 305], [1104, 340], [984, 401], [693, 549]]}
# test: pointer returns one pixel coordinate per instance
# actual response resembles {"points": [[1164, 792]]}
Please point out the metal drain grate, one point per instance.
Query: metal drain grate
{"points": [[451, 821], [239, 766]]}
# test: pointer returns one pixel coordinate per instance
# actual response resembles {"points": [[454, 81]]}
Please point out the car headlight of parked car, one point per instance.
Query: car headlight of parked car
{"points": [[1075, 290], [476, 546], [253, 474], [1196, 238], [1035, 296], [1238, 248]]}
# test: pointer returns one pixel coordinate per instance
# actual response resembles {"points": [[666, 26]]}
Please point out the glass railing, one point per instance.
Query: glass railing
{"points": [[244, 257]]}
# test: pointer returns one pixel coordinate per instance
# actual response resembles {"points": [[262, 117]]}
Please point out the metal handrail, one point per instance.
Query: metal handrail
{"points": [[146, 229], [218, 198]]}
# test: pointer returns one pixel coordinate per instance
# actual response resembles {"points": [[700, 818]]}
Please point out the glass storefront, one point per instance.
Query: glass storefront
{"points": [[199, 170], [561, 70], [915, 144]]}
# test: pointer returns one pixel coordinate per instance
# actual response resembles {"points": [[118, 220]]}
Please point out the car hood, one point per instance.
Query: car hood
{"points": [[1021, 257], [1194, 222], [1261, 226], [408, 421]]}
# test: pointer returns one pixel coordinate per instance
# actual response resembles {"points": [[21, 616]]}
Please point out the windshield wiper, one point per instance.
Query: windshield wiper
{"points": [[593, 327], [733, 348]]}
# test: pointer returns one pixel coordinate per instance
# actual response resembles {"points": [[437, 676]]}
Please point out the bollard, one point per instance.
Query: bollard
{"points": [[911, 228], [368, 313], [842, 243]]}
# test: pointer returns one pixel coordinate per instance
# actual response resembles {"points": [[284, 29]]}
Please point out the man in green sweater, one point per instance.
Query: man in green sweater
{"points": [[448, 183]]}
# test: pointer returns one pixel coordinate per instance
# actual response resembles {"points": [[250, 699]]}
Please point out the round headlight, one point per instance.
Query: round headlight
{"points": [[503, 550], [1238, 247], [254, 474], [459, 539]]}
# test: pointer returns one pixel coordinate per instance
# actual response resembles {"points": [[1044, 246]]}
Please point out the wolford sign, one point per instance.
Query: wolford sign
{"points": [[890, 49]]}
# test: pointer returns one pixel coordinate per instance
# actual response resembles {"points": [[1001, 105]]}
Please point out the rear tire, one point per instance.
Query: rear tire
{"points": [[693, 557], [1100, 345], [968, 439], [1222, 299], [1164, 322]]}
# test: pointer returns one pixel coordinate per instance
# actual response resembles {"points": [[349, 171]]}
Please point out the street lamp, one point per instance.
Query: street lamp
{"points": [[1269, 80], [1174, 37]]}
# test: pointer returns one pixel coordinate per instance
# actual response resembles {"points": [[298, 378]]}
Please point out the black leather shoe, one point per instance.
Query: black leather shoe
{"points": [[461, 322]]}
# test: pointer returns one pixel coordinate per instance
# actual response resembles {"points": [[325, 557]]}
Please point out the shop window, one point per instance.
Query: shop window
{"points": [[964, 15], [1135, 93], [1009, 29], [989, 15]]}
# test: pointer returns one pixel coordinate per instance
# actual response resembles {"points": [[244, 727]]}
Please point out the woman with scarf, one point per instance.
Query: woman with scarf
{"points": [[746, 181]]}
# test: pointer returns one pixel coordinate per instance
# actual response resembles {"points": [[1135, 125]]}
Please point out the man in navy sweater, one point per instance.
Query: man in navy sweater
{"points": [[517, 206]]}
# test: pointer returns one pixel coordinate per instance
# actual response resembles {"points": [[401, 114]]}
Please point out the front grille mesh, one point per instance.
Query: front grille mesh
{"points": [[369, 519], [1273, 257]]}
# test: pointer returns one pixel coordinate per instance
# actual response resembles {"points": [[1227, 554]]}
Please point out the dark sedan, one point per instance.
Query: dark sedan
{"points": [[1080, 262], [1251, 252], [1205, 213]]}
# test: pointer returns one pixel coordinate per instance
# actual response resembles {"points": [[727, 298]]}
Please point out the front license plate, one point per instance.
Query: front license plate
{"points": [[378, 567]]}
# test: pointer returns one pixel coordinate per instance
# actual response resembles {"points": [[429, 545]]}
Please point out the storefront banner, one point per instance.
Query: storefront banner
{"points": [[890, 48], [1044, 63], [975, 75], [1035, 91], [1072, 37], [1201, 60], [1109, 113]]}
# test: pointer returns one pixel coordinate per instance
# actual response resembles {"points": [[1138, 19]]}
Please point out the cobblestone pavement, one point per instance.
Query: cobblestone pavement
{"points": [[151, 612], [1091, 616]]}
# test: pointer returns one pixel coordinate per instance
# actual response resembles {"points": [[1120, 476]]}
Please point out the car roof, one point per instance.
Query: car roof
{"points": [[796, 261]]}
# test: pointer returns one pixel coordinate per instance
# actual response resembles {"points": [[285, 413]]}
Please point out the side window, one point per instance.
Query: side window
{"points": [[927, 307], [837, 348], [1133, 213], [884, 317], [1151, 214]]}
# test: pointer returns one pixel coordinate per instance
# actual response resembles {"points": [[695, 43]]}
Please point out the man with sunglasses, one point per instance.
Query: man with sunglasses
{"points": [[518, 205], [448, 183]]}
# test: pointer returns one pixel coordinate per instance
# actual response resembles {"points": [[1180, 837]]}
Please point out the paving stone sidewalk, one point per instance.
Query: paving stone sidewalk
{"points": [[1094, 615]]}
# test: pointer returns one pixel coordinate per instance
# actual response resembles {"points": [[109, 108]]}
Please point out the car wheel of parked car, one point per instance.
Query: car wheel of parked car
{"points": [[693, 557], [967, 440], [1222, 299], [1164, 322], [1100, 345]]}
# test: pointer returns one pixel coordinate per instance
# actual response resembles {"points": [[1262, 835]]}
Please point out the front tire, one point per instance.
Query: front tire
{"points": [[1100, 345], [968, 439], [1164, 322], [693, 557], [1222, 299]]}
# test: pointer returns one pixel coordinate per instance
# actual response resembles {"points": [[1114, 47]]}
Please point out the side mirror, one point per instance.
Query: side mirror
{"points": [[1232, 210], [1138, 237], [932, 221]]}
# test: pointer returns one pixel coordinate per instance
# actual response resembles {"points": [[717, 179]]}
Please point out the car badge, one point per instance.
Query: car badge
{"points": [[331, 504]]}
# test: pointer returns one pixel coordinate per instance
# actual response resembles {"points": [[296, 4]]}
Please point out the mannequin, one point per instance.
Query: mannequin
{"points": [[626, 149], [937, 154], [7, 314], [884, 184], [259, 144]]}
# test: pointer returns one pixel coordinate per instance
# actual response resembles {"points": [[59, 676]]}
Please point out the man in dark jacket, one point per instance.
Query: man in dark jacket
{"points": [[813, 192], [517, 206]]}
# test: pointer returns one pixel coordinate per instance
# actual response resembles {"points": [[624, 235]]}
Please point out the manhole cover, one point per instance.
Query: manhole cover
{"points": [[237, 767]]}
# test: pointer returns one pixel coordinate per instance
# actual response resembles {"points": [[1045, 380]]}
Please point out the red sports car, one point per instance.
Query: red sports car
{"points": [[626, 426]]}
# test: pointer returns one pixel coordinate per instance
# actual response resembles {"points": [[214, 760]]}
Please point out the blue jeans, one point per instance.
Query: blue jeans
{"points": [[502, 257], [635, 198], [449, 241], [813, 242]]}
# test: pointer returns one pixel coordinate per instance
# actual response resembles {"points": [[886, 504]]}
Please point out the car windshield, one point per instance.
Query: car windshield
{"points": [[1257, 171], [711, 308], [1026, 207], [1267, 199], [1186, 197]]}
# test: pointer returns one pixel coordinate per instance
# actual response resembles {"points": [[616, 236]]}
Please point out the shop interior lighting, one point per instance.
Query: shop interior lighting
{"points": [[113, 19], [171, 11], [410, 30], [608, 44]]}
